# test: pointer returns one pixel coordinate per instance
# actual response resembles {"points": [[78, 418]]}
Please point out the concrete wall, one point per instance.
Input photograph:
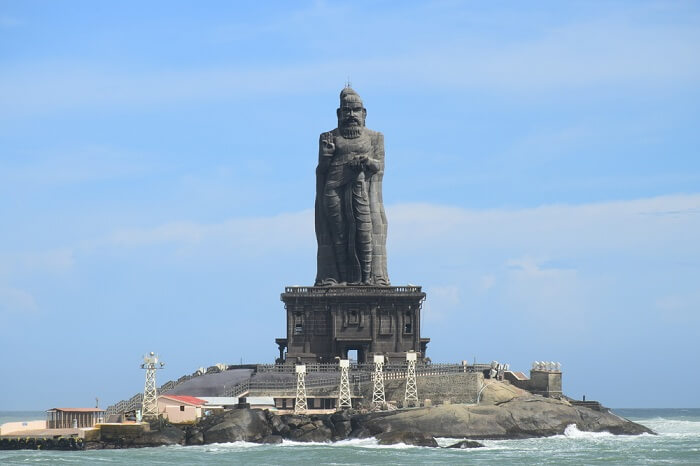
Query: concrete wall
{"points": [[125, 432], [13, 427], [547, 383], [439, 389]]}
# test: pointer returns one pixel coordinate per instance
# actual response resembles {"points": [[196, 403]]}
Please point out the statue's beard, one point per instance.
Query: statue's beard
{"points": [[351, 131]]}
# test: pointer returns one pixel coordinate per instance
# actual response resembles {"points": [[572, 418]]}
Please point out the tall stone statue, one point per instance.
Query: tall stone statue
{"points": [[350, 220]]}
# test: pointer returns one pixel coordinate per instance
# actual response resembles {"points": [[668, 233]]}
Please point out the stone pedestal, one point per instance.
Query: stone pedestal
{"points": [[325, 322]]}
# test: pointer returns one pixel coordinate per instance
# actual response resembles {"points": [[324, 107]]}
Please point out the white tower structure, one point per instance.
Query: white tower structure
{"points": [[411, 386], [344, 399], [150, 392], [378, 400], [300, 405]]}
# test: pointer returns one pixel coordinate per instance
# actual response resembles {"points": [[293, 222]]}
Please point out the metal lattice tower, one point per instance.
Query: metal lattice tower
{"points": [[344, 399], [300, 405], [411, 386], [378, 400], [149, 407]]}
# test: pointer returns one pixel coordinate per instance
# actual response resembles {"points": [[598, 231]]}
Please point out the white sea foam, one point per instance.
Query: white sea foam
{"points": [[572, 431], [673, 427], [370, 442]]}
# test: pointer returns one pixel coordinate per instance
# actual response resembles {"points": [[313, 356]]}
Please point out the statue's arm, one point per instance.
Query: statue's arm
{"points": [[326, 149], [375, 162]]}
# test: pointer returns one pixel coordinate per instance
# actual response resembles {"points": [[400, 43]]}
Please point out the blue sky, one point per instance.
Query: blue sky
{"points": [[157, 183]]}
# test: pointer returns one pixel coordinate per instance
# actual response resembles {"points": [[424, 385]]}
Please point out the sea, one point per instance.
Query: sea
{"points": [[677, 442]]}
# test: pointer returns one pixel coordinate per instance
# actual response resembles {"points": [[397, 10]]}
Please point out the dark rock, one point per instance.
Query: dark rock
{"points": [[166, 435], [343, 415], [407, 438], [360, 432], [295, 420], [272, 439], [311, 433], [309, 427], [467, 444], [194, 437], [342, 430], [278, 426], [249, 425]]}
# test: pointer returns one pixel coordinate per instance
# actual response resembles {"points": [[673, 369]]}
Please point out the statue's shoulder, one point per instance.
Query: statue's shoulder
{"points": [[376, 136]]}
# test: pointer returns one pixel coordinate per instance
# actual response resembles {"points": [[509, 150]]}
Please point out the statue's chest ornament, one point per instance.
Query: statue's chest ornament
{"points": [[359, 145]]}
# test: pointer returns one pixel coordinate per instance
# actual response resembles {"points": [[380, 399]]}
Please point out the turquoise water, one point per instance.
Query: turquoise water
{"points": [[678, 442]]}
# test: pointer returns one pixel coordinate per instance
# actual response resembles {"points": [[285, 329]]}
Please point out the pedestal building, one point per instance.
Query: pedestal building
{"points": [[326, 322]]}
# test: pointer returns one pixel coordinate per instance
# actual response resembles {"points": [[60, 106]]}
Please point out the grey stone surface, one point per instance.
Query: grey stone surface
{"points": [[466, 444], [211, 384], [351, 223], [453, 388], [523, 417], [249, 425]]}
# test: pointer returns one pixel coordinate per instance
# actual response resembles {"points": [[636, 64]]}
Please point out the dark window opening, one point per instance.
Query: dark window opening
{"points": [[408, 328], [182, 408], [298, 329]]}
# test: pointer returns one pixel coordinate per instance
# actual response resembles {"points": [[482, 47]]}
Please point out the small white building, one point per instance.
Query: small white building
{"points": [[261, 402], [221, 402]]}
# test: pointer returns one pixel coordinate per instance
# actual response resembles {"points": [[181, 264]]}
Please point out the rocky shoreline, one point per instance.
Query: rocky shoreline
{"points": [[515, 418]]}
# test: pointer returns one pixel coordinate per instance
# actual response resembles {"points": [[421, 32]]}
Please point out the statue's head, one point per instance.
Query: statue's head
{"points": [[351, 114]]}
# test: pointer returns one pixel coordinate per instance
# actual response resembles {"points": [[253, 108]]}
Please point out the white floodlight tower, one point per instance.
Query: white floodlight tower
{"points": [[378, 400], [151, 363], [344, 399], [411, 385], [300, 405]]}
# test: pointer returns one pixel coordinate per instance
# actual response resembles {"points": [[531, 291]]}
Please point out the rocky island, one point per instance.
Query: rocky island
{"points": [[505, 413]]}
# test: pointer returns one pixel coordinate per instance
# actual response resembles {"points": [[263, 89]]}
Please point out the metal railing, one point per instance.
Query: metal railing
{"points": [[424, 369], [351, 290], [238, 389]]}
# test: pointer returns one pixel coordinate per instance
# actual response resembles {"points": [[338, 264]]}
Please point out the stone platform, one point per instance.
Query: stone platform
{"points": [[326, 322]]}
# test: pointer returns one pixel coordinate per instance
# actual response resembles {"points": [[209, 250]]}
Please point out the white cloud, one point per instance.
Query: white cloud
{"points": [[603, 52], [636, 225], [246, 236]]}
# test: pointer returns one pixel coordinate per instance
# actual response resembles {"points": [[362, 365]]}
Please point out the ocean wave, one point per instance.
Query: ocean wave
{"points": [[370, 442], [673, 427], [572, 431]]}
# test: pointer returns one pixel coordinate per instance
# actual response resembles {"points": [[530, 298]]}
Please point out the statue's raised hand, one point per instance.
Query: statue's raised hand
{"points": [[328, 144]]}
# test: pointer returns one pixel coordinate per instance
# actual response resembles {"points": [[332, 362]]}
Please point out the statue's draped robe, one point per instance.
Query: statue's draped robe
{"points": [[327, 267]]}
